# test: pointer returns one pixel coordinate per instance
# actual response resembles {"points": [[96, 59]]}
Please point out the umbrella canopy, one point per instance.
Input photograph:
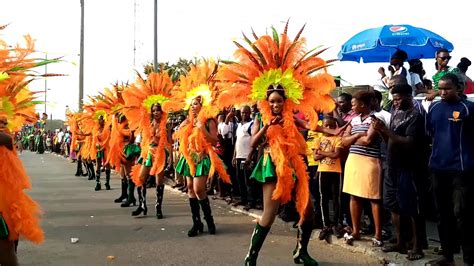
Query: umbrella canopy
{"points": [[378, 44]]}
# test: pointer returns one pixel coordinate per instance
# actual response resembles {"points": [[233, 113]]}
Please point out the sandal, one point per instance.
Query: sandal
{"points": [[377, 243], [394, 248], [349, 239], [415, 255]]}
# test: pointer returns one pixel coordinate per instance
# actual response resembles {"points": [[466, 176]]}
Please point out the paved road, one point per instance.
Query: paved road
{"points": [[73, 209]]}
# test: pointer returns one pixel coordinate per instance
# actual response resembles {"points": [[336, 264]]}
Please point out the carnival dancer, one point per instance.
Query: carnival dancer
{"points": [[282, 77], [197, 135], [19, 214], [123, 154], [143, 109]]}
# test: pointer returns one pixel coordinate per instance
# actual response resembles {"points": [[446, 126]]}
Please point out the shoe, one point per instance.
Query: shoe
{"points": [[210, 192], [324, 234], [97, 186], [131, 196], [300, 254], [142, 208], [258, 237], [129, 203], [338, 231], [124, 195], [107, 186]]}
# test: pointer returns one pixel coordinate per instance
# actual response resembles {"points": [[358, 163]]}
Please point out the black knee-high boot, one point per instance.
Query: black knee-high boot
{"points": [[197, 224], [142, 208], [79, 168], [131, 195], [206, 210], [107, 178], [300, 254], [90, 168], [160, 189], [84, 166], [256, 243], [97, 180], [124, 195]]}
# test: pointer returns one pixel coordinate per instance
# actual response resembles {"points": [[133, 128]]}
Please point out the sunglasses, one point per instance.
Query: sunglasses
{"points": [[444, 58]]}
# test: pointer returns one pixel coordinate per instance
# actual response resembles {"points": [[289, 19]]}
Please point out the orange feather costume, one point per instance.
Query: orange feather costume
{"points": [[198, 83], [139, 99], [17, 107], [278, 61]]}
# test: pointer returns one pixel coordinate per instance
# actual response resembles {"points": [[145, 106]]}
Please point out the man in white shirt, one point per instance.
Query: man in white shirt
{"points": [[242, 161]]}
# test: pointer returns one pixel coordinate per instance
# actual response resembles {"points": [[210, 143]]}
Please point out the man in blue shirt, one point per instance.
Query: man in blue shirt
{"points": [[451, 125]]}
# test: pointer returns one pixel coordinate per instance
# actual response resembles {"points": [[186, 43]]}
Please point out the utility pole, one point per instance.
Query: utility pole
{"points": [[45, 83], [81, 60], [155, 58]]}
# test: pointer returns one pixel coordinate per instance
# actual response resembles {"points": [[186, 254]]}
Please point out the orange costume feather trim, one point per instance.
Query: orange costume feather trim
{"points": [[20, 212], [269, 62], [198, 83]]}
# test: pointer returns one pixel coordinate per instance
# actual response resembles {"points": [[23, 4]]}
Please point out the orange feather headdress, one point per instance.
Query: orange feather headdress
{"points": [[17, 102], [199, 83], [139, 99], [270, 62]]}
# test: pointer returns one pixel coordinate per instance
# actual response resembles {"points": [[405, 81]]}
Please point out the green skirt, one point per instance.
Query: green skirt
{"points": [[131, 151], [202, 167], [264, 171], [149, 159], [100, 155]]}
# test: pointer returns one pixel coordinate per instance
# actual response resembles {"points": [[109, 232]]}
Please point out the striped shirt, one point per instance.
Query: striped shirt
{"points": [[362, 126]]}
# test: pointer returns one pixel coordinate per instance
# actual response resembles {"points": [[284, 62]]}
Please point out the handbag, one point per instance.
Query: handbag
{"points": [[3, 228]]}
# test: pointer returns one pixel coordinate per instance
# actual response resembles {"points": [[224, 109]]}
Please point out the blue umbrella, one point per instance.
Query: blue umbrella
{"points": [[378, 44]]}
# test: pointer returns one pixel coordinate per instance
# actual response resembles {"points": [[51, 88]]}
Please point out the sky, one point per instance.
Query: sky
{"points": [[119, 34]]}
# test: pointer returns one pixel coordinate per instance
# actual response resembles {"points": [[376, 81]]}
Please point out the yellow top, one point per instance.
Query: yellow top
{"points": [[329, 144]]}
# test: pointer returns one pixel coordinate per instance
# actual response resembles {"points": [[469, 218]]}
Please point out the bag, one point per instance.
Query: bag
{"points": [[3, 228]]}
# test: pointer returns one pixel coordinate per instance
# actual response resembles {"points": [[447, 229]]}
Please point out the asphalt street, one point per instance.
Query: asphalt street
{"points": [[108, 235]]}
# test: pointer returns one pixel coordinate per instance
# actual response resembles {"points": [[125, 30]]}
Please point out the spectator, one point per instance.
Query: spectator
{"points": [[416, 73], [468, 84], [403, 185], [343, 112], [442, 68], [363, 182], [451, 124], [327, 152], [395, 68], [379, 112], [242, 161]]}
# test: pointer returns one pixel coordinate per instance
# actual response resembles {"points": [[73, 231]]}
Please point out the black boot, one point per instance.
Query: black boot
{"points": [[197, 224], [131, 195], [84, 166], [256, 243], [160, 189], [97, 181], [123, 196], [107, 179], [300, 254], [79, 168], [142, 208], [206, 210], [90, 167]]}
